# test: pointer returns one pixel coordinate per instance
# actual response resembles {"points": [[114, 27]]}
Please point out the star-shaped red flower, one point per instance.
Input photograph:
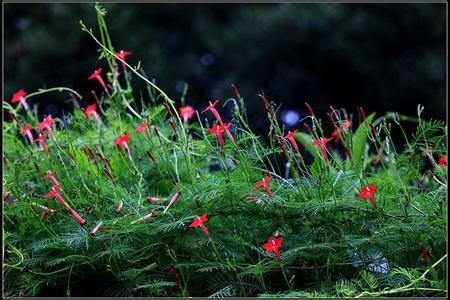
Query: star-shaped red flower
{"points": [[265, 183], [273, 245], [198, 222], [367, 192], [186, 112]]}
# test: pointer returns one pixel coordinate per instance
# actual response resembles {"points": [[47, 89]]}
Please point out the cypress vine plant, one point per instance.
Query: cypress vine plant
{"points": [[149, 198]]}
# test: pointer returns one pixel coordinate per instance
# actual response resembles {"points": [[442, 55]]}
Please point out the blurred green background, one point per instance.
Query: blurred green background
{"points": [[384, 57]]}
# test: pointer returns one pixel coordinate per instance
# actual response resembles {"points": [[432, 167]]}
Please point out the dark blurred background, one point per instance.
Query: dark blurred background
{"points": [[384, 57]]}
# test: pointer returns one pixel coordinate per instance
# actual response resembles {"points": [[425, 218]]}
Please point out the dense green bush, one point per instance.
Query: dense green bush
{"points": [[153, 205]]}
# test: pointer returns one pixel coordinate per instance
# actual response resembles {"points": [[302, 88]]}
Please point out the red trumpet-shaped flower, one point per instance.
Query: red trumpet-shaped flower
{"points": [[198, 222], [172, 201], [51, 175], [367, 192], [26, 129], [55, 193], [186, 112], [273, 245], [19, 96], [265, 183], [122, 141], [46, 124], [442, 161], [143, 126], [77, 217], [322, 144], [290, 138], [122, 55], [147, 216], [212, 108], [152, 199], [96, 228], [119, 208], [96, 75], [338, 132], [218, 130], [41, 140], [91, 110]]}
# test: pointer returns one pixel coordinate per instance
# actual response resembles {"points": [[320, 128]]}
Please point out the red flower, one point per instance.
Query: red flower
{"points": [[26, 129], [77, 217], [264, 183], [345, 125], [147, 216], [290, 137], [425, 253], [152, 199], [143, 126], [218, 130], [91, 110], [321, 143], [96, 228], [46, 124], [367, 192], [51, 175], [19, 97], [99, 78], [186, 112], [122, 55], [41, 140], [119, 208], [273, 245], [212, 108], [122, 141], [198, 222], [54, 192], [442, 161], [172, 201]]}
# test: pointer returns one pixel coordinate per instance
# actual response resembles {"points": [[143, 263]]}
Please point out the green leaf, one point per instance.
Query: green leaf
{"points": [[359, 141], [306, 141]]}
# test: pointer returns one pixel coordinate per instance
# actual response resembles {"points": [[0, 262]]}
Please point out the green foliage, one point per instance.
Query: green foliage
{"points": [[334, 243]]}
